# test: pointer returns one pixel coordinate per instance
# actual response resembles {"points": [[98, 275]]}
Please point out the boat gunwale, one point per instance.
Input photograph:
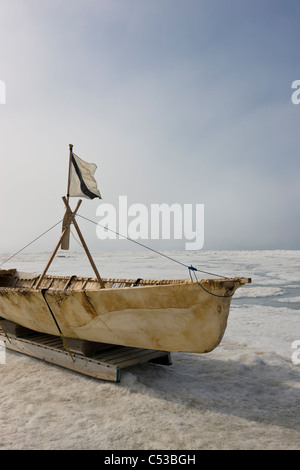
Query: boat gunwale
{"points": [[110, 283]]}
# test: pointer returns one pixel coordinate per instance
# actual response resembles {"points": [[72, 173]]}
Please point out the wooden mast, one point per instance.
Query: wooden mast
{"points": [[67, 227], [69, 174], [84, 244], [63, 242]]}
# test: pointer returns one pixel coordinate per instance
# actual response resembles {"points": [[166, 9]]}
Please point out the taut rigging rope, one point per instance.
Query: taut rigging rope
{"points": [[191, 268], [152, 249], [28, 244]]}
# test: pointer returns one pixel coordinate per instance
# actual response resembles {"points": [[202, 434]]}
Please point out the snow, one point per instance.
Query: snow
{"points": [[243, 395]]}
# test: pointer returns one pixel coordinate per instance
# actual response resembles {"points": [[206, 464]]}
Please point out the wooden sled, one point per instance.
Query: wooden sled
{"points": [[98, 360]]}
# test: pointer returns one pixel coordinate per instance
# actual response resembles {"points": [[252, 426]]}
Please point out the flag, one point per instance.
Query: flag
{"points": [[82, 181]]}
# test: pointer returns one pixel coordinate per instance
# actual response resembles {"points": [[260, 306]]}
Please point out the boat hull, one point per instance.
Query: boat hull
{"points": [[184, 316]]}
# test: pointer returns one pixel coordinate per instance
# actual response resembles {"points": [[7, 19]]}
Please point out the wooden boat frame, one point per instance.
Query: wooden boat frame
{"points": [[158, 315]]}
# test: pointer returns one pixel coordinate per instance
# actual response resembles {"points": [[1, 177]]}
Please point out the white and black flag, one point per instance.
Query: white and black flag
{"points": [[82, 181]]}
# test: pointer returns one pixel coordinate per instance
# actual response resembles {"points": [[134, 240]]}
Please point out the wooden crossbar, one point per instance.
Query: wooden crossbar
{"points": [[71, 220]]}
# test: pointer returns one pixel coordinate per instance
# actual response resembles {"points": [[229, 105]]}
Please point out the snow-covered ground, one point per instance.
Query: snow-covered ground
{"points": [[243, 395]]}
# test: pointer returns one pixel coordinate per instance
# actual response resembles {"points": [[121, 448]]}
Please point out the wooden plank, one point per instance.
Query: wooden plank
{"points": [[104, 365], [87, 348], [113, 353], [70, 219], [125, 357], [33, 336], [50, 341], [62, 358], [146, 356], [7, 277], [129, 356], [13, 329], [164, 360]]}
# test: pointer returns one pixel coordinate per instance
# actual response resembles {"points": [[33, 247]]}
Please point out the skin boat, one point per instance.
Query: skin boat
{"points": [[178, 315]]}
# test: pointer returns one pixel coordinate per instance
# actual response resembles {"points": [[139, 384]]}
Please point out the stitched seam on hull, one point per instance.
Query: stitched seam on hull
{"points": [[97, 316]]}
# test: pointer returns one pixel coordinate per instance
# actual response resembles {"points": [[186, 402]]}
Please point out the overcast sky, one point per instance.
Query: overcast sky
{"points": [[176, 101]]}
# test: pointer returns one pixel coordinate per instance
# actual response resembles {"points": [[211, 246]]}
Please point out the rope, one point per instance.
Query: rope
{"points": [[77, 241], [46, 231], [151, 249], [43, 291], [192, 269]]}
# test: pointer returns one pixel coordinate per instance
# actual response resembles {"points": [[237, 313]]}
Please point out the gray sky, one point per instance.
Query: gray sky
{"points": [[176, 101]]}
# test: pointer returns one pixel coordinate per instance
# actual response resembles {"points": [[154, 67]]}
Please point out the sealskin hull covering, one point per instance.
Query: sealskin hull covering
{"points": [[182, 316]]}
